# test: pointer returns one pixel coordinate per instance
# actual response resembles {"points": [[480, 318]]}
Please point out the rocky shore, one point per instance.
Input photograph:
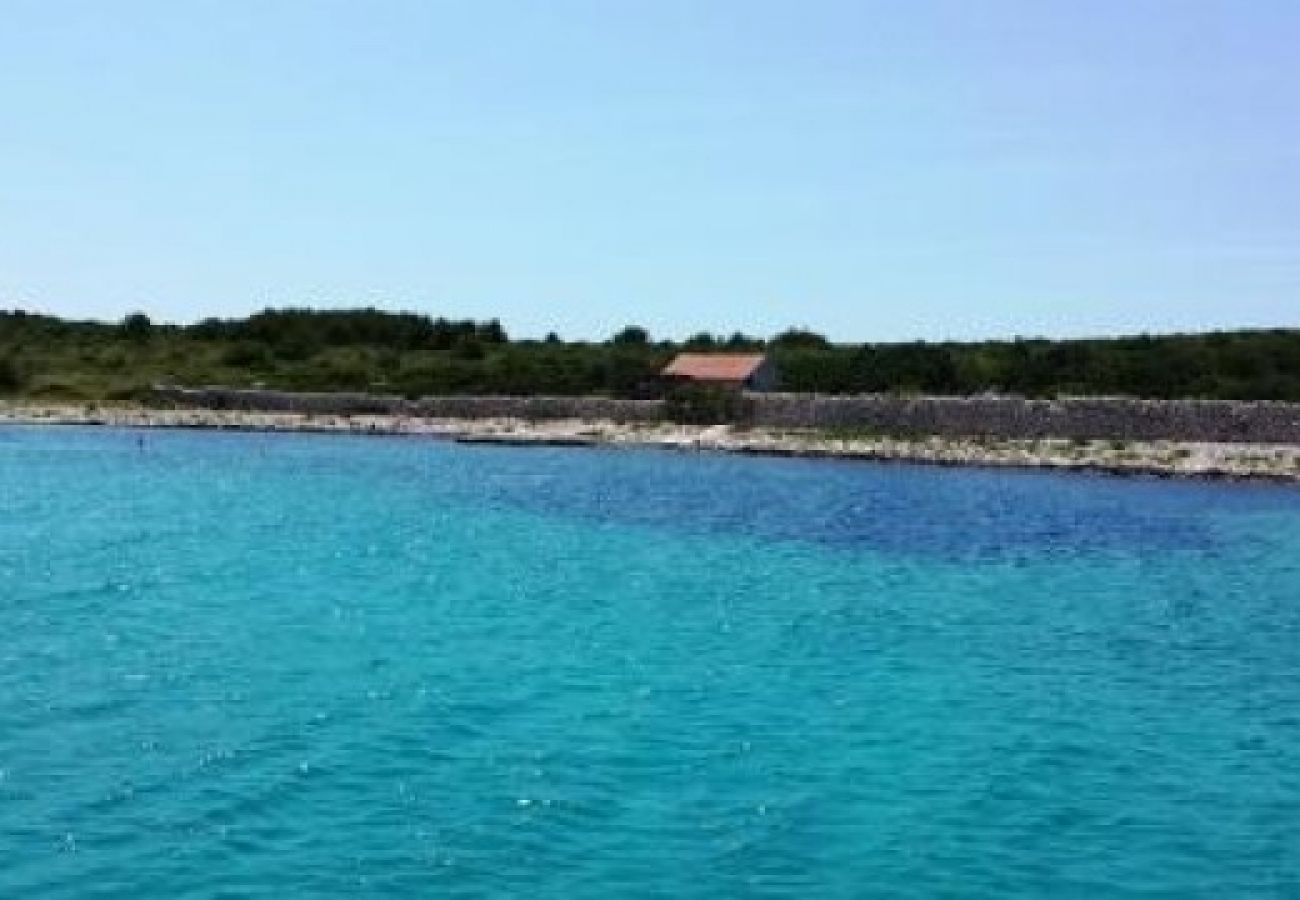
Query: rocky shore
{"points": [[1278, 462]]}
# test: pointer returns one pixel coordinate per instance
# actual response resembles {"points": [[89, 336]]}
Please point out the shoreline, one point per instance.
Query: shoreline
{"points": [[1278, 463]]}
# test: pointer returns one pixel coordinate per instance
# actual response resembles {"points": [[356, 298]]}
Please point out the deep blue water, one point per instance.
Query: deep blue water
{"points": [[239, 665]]}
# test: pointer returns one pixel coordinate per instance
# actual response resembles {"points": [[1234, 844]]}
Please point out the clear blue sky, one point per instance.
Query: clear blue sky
{"points": [[875, 170]]}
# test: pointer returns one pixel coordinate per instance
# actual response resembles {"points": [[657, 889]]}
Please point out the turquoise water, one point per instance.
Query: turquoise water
{"points": [[234, 665]]}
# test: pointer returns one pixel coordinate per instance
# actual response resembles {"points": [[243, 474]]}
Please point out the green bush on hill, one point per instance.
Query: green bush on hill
{"points": [[10, 378], [696, 404], [406, 353]]}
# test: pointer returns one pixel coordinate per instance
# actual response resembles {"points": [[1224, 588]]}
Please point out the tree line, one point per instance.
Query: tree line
{"points": [[407, 353]]}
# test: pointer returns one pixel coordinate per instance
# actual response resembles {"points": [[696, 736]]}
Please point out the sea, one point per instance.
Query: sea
{"points": [[293, 665]]}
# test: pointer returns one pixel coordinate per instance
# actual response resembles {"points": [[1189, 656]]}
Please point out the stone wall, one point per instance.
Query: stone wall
{"points": [[1006, 417], [1118, 418], [448, 407]]}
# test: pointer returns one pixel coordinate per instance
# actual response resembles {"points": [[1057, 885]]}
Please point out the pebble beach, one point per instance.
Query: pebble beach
{"points": [[1274, 462]]}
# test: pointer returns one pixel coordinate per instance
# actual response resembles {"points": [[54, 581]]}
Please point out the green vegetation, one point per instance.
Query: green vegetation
{"points": [[45, 358], [10, 378], [695, 404]]}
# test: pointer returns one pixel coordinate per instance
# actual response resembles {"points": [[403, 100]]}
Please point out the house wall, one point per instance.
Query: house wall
{"points": [[764, 378]]}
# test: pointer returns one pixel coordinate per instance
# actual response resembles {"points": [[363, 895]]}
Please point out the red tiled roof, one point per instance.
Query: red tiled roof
{"points": [[714, 366]]}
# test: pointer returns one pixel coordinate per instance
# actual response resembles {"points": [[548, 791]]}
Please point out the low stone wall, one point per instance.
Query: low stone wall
{"points": [[1084, 418], [448, 407]]}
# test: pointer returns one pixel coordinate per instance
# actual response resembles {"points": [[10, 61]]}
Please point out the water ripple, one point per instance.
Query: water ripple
{"points": [[245, 664]]}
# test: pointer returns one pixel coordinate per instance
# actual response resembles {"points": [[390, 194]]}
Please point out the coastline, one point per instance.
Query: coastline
{"points": [[1176, 459]]}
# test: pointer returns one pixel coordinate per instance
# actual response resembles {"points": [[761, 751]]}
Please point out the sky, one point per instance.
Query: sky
{"points": [[873, 170]]}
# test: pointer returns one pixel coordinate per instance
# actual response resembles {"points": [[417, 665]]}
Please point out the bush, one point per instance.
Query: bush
{"points": [[10, 378], [59, 392], [246, 355], [442, 355], [130, 395], [633, 335], [137, 327], [698, 404]]}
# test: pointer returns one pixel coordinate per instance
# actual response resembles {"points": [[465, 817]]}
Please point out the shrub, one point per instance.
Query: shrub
{"points": [[59, 392], [246, 355], [10, 378], [633, 335], [130, 395], [698, 404], [137, 327]]}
